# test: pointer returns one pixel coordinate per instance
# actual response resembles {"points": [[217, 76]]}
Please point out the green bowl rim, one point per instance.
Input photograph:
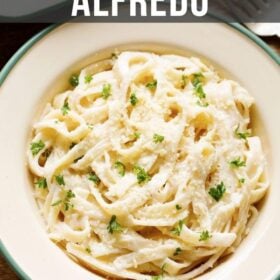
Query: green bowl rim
{"points": [[32, 41]]}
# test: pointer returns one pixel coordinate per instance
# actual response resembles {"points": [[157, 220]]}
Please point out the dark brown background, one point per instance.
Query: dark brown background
{"points": [[12, 37]]}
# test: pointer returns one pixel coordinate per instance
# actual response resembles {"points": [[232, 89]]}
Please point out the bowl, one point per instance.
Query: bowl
{"points": [[41, 69]]}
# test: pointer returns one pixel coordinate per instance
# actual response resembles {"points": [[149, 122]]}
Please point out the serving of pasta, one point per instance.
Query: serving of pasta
{"points": [[147, 167]]}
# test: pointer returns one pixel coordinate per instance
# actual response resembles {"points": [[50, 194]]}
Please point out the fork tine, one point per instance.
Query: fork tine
{"points": [[241, 10], [261, 4], [255, 10]]}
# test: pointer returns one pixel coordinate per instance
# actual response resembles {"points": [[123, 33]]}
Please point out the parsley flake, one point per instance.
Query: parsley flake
{"points": [[152, 85], [178, 207], [36, 147], [74, 80], [133, 99], [199, 92], [237, 163], [242, 135], [66, 201], [197, 83], [137, 135], [178, 229], [65, 108], [114, 226], [177, 251], [88, 250], [218, 192], [60, 180], [67, 204], [142, 175], [41, 183], [205, 235], [94, 178], [88, 79], [56, 203], [242, 180], [106, 91], [197, 79], [120, 167], [158, 138]]}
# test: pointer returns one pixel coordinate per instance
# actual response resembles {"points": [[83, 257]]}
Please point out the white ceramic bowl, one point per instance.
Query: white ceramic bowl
{"points": [[46, 67]]}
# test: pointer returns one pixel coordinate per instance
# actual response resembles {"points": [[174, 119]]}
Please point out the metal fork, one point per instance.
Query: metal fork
{"points": [[261, 16], [256, 10]]}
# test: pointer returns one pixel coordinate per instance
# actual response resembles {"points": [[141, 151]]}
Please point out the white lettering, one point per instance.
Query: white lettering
{"points": [[80, 7], [177, 13], [204, 8], [154, 10], [115, 7], [97, 11], [133, 6]]}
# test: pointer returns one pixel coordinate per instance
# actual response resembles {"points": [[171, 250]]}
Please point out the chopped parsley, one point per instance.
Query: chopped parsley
{"points": [[152, 85], [242, 135], [65, 108], [60, 180], [114, 226], [88, 250], [133, 99], [178, 207], [94, 178], [237, 163], [41, 183], [142, 175], [88, 79], [36, 147], [106, 91], [177, 251], [178, 229], [158, 138], [199, 92], [120, 167], [218, 192], [66, 201], [184, 80], [197, 79], [74, 80], [202, 104], [242, 180], [197, 83], [205, 235], [137, 135], [56, 203]]}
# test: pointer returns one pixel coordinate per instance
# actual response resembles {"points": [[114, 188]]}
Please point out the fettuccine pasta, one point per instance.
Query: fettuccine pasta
{"points": [[147, 168]]}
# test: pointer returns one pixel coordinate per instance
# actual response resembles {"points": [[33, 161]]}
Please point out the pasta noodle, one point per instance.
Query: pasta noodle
{"points": [[147, 168]]}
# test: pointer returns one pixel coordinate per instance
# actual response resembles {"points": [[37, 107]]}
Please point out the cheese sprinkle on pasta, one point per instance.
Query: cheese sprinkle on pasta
{"points": [[140, 170]]}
